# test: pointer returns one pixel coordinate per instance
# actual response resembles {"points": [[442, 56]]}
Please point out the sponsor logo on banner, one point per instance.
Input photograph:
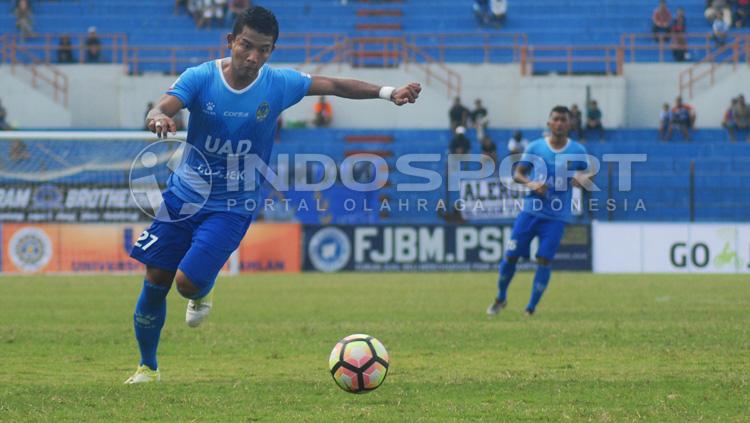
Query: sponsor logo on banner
{"points": [[494, 198], [329, 250], [30, 249]]}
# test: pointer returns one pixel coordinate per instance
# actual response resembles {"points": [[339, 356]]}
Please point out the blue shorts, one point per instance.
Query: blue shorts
{"points": [[528, 226], [199, 246]]}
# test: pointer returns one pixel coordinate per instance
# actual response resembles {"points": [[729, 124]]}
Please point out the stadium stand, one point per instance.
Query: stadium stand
{"points": [[441, 28]]}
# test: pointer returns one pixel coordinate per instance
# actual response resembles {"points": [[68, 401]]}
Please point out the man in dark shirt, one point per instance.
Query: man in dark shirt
{"points": [[93, 46], [65, 50], [459, 144], [479, 118], [594, 119], [458, 114], [489, 149]]}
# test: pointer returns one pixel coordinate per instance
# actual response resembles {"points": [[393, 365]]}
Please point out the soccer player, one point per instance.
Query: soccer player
{"points": [[234, 104], [543, 169]]}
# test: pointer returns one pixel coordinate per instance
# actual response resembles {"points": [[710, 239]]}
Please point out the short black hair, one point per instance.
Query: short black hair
{"points": [[560, 109], [259, 19]]}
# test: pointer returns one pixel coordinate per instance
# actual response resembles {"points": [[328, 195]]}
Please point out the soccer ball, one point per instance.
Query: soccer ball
{"points": [[358, 363]]}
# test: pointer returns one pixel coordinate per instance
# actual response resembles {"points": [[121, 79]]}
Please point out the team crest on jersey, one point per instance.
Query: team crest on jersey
{"points": [[263, 110]]}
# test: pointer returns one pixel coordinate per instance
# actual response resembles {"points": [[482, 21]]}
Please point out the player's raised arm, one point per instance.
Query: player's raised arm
{"points": [[159, 119], [352, 88]]}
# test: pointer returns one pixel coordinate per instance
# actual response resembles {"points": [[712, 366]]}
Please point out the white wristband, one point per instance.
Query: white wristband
{"points": [[386, 93]]}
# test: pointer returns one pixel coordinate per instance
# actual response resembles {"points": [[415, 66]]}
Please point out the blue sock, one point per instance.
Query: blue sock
{"points": [[148, 320], [541, 279], [507, 270]]}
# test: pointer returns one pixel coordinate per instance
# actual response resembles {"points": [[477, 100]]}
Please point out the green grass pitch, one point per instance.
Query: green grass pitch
{"points": [[601, 348]]}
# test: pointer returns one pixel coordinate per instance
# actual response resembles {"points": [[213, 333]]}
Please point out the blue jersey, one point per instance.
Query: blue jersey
{"points": [[556, 204], [226, 125]]}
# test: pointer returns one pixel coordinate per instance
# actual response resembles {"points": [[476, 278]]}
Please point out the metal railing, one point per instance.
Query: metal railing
{"points": [[731, 53], [41, 75], [433, 70], [425, 49], [639, 44], [484, 44], [610, 56]]}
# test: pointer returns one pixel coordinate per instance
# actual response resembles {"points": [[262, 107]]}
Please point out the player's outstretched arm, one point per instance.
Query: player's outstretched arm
{"points": [[352, 88], [159, 119]]}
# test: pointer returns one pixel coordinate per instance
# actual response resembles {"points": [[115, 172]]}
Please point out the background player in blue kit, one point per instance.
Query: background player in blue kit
{"points": [[545, 168], [234, 104]]}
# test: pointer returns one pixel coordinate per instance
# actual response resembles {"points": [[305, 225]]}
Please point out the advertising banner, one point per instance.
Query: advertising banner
{"points": [[68, 204], [271, 248], [426, 248], [491, 198], [72, 248], [678, 247]]}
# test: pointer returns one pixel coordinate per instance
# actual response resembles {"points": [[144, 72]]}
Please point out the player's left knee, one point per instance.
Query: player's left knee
{"points": [[186, 287], [543, 261]]}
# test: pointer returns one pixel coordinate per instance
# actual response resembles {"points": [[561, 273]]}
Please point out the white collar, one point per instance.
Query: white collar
{"points": [[221, 73], [560, 150]]}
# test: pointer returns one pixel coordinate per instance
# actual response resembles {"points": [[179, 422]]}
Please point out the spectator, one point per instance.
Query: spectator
{"points": [[93, 46], [195, 9], [479, 119], [741, 115], [236, 7], [220, 10], [743, 13], [3, 116], [679, 24], [691, 111], [323, 112], [489, 149], [720, 32], [482, 11], [179, 4], [680, 120], [665, 117], [458, 114], [679, 47], [209, 13], [204, 13], [498, 11], [594, 119], [65, 50], [24, 18], [517, 143], [728, 122], [576, 122], [459, 144], [718, 9], [661, 20]]}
